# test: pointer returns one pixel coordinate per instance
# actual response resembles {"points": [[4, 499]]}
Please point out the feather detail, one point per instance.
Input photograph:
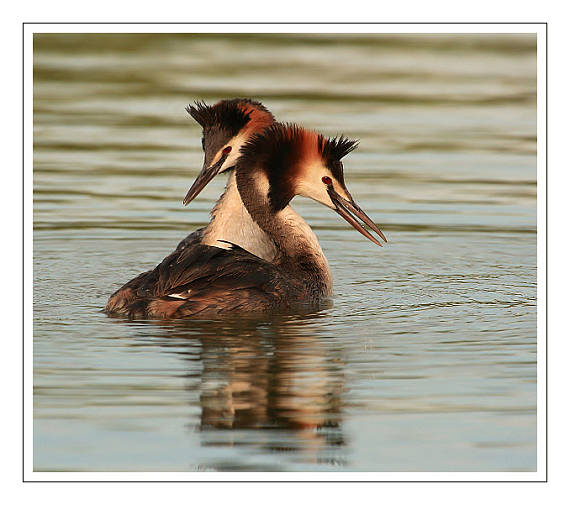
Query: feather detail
{"points": [[232, 115], [206, 280]]}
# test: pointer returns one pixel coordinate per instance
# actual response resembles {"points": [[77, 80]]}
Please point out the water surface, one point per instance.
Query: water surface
{"points": [[427, 359]]}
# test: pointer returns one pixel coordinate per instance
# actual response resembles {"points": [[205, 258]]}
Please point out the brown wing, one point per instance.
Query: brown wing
{"points": [[146, 284], [203, 280]]}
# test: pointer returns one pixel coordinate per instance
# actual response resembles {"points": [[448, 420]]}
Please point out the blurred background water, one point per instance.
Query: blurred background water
{"points": [[426, 361]]}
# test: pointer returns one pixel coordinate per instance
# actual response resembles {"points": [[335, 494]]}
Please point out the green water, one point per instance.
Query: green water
{"points": [[427, 359]]}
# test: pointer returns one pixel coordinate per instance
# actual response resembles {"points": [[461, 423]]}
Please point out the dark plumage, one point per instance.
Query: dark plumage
{"points": [[232, 114], [336, 148], [276, 150], [207, 281]]}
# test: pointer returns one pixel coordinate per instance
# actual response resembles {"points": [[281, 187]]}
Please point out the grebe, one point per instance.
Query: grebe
{"points": [[276, 165], [226, 126]]}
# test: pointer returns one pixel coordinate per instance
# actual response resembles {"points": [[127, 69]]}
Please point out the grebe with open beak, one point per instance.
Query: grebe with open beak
{"points": [[204, 281]]}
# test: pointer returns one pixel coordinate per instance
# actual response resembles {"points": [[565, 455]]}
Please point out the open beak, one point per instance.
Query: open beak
{"points": [[348, 209], [204, 177]]}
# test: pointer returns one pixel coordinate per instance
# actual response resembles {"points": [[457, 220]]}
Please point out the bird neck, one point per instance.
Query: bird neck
{"points": [[231, 222], [298, 249]]}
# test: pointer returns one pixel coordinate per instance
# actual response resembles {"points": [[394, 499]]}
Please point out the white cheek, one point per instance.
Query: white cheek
{"points": [[312, 186], [232, 158], [317, 191]]}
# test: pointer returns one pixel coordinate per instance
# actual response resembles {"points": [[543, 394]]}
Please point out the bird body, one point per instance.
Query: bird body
{"points": [[207, 276]]}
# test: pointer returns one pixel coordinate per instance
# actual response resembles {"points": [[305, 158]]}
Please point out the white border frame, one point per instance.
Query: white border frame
{"points": [[540, 29]]}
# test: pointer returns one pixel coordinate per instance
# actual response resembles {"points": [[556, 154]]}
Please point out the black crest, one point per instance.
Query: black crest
{"points": [[333, 150], [336, 148], [226, 114]]}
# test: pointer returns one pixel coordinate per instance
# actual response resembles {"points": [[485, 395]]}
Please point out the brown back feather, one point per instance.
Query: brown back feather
{"points": [[207, 281]]}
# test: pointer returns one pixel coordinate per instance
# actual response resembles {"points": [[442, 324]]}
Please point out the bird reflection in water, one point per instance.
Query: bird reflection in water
{"points": [[269, 384]]}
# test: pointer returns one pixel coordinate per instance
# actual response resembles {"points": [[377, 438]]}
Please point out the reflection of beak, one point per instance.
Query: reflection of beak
{"points": [[204, 177], [348, 209]]}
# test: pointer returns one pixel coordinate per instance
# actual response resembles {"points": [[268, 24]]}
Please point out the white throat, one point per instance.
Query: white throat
{"points": [[232, 222]]}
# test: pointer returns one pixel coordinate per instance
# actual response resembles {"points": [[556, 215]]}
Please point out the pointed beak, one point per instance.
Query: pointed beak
{"points": [[349, 210], [204, 177]]}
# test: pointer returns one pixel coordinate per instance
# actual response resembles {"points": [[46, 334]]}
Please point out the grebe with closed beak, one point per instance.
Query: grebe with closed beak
{"points": [[226, 126], [203, 280]]}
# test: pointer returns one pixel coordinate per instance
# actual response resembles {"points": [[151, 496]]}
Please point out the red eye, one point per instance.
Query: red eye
{"points": [[227, 149], [327, 180]]}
